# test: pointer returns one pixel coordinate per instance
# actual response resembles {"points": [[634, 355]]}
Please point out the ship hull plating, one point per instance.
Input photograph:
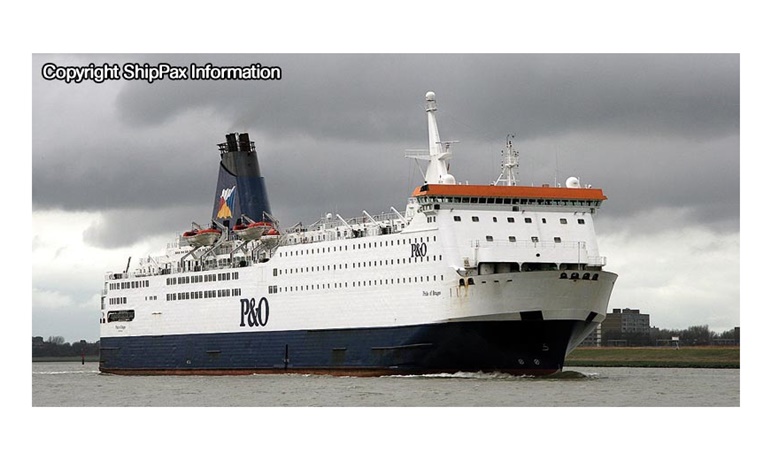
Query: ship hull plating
{"points": [[534, 347]]}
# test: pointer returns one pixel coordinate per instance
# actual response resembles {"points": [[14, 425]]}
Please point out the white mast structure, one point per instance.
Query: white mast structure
{"points": [[438, 153], [510, 167]]}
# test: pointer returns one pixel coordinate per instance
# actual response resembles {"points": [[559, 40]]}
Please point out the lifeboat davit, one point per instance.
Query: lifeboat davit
{"points": [[252, 231], [206, 237]]}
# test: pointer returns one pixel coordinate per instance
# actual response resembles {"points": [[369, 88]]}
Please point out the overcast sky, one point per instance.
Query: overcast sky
{"points": [[120, 167]]}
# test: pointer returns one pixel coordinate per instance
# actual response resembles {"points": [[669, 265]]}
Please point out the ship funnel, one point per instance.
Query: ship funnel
{"points": [[240, 187], [244, 143], [232, 143]]}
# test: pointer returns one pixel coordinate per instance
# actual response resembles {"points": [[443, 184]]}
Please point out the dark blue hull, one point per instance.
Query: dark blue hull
{"points": [[516, 347]]}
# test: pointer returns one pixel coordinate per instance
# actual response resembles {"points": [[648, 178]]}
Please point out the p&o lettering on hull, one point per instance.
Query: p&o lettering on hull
{"points": [[419, 249], [253, 313]]}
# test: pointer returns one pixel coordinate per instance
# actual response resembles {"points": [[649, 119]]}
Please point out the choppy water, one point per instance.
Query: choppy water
{"points": [[78, 385]]}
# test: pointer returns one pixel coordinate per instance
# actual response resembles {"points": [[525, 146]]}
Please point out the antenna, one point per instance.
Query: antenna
{"points": [[510, 163], [556, 171]]}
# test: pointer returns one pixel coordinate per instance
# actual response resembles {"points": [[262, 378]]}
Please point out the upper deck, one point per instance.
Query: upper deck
{"points": [[514, 192]]}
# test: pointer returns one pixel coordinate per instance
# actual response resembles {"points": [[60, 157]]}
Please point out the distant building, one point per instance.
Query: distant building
{"points": [[627, 327], [594, 339]]}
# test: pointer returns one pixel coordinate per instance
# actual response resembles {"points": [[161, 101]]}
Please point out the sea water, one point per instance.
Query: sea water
{"points": [[72, 384]]}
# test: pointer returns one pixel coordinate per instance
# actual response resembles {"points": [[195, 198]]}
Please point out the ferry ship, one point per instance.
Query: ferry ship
{"points": [[478, 278]]}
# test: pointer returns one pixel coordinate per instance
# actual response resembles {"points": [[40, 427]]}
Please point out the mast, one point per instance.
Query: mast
{"points": [[510, 167], [438, 153]]}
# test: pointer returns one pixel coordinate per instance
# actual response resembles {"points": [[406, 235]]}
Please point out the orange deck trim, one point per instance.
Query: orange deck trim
{"points": [[515, 191]]}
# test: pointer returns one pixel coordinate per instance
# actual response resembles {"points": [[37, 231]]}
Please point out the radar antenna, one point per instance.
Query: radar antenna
{"points": [[510, 164]]}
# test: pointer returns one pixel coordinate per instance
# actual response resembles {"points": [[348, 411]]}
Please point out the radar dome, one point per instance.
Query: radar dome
{"points": [[430, 96], [573, 182], [448, 179]]}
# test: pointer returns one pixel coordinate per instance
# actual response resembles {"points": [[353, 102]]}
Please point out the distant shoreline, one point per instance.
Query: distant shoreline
{"points": [[691, 357], [65, 359], [713, 357]]}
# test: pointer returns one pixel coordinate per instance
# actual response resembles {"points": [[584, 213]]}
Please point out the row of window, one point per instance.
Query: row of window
{"points": [[202, 278], [356, 246], [371, 263], [535, 239], [210, 294], [123, 301], [526, 201], [354, 284], [130, 284], [527, 220]]}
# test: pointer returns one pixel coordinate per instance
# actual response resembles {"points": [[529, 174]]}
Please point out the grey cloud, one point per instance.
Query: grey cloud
{"points": [[652, 130], [124, 227], [364, 96]]}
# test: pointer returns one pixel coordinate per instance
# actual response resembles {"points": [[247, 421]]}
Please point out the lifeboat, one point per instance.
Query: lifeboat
{"points": [[206, 237], [252, 231], [270, 238]]}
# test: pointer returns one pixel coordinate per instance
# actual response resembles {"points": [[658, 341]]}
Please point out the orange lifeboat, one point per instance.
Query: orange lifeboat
{"points": [[206, 237], [252, 231], [270, 238]]}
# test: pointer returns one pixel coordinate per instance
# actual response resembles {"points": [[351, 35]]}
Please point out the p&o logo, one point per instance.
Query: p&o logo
{"points": [[254, 313], [419, 250]]}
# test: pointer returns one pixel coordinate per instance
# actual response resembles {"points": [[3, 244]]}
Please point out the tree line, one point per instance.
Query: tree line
{"points": [[693, 336], [696, 335], [55, 346]]}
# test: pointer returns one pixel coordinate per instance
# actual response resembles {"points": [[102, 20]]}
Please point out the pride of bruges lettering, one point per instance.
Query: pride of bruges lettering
{"points": [[419, 249], [254, 313]]}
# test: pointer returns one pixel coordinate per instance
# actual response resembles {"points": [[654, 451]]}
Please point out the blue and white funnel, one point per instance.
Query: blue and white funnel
{"points": [[240, 187]]}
